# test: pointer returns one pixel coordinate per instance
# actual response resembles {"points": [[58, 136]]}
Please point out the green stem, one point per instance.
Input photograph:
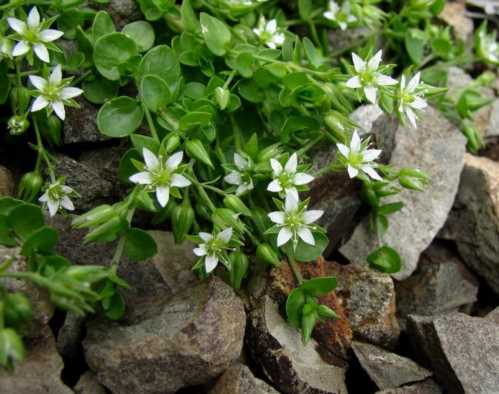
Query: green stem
{"points": [[118, 253], [237, 133], [150, 123], [42, 153], [296, 270], [313, 31]]}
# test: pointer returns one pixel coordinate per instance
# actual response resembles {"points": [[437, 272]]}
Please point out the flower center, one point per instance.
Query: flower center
{"points": [[293, 220], [286, 180], [161, 176], [355, 159], [214, 246], [32, 35]]}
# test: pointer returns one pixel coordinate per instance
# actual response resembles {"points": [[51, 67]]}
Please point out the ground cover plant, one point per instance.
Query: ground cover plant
{"points": [[222, 104]]}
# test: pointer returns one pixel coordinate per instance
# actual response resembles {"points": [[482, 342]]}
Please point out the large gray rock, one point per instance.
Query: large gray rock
{"points": [[39, 373], [493, 124], [6, 182], [69, 337], [365, 116], [474, 222], [436, 147], [429, 386], [81, 124], [493, 315], [441, 283], [88, 384], [462, 351], [238, 379], [386, 369], [454, 14], [194, 338], [291, 366], [123, 11]]}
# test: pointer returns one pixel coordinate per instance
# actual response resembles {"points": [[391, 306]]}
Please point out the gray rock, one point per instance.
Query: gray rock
{"points": [[81, 124], [92, 189], [291, 366], [194, 338], [386, 369], [493, 315], [493, 125], [70, 336], [88, 384], [436, 147], [365, 116], [462, 351], [238, 379], [429, 386], [441, 283], [454, 14], [106, 160], [473, 222], [123, 12], [39, 373], [6, 182]]}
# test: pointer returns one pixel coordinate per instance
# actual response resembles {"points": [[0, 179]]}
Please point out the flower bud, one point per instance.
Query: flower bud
{"points": [[223, 218], [52, 130], [196, 150], [106, 232], [95, 216], [29, 186], [473, 136], [12, 346], [20, 99], [238, 269], [414, 179], [326, 312], [222, 95], [17, 125], [236, 204], [182, 220], [270, 152], [172, 143], [266, 254], [336, 125]]}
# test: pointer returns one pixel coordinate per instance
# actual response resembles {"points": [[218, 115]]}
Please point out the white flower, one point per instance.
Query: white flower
{"points": [[242, 176], [368, 77], [294, 222], [358, 159], [30, 34], [53, 92], [160, 175], [286, 179], [213, 248], [487, 46], [268, 33], [409, 98], [56, 196], [342, 16]]}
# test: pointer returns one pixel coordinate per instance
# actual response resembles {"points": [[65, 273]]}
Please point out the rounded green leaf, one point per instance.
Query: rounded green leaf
{"points": [[216, 34], [142, 33], [385, 259], [294, 306], [103, 24], [111, 52], [42, 240], [305, 252], [120, 117], [114, 306], [100, 90], [162, 62], [139, 245], [25, 219], [154, 92], [317, 287]]}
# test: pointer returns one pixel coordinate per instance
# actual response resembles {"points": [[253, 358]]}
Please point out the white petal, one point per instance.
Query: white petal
{"points": [[243, 188], [240, 161], [277, 217], [201, 251], [39, 103], [353, 83], [414, 82], [174, 160], [358, 63], [279, 39], [385, 80], [402, 82], [274, 186], [372, 173], [291, 202], [411, 116], [150, 159], [293, 192], [42, 52], [59, 110], [375, 61], [205, 236], [271, 26], [234, 178], [352, 172], [17, 25], [38, 82], [142, 178], [370, 92], [56, 75], [329, 15], [53, 206], [225, 235], [180, 181], [343, 25], [69, 93], [21, 48], [419, 103], [371, 154], [67, 203], [291, 164], [44, 197], [163, 195], [306, 235], [344, 150], [66, 189], [33, 17], [276, 167], [311, 216], [355, 143], [284, 236], [210, 263], [302, 179], [50, 35]]}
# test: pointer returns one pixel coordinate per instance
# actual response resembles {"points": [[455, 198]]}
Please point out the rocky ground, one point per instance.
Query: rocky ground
{"points": [[431, 328]]}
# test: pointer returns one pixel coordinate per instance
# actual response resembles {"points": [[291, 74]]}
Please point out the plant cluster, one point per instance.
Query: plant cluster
{"points": [[227, 101]]}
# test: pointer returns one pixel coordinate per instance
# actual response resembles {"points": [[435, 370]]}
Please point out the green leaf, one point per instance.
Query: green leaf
{"points": [[194, 119], [140, 142], [120, 117], [216, 34], [305, 8], [305, 252], [103, 24], [7, 204], [388, 209], [155, 92], [42, 240], [385, 259], [196, 150], [317, 287], [142, 33], [139, 245], [11, 348], [189, 20], [100, 90], [111, 54], [162, 62], [126, 168], [314, 55], [308, 320], [415, 41], [25, 219], [114, 306], [6, 236], [294, 306]]}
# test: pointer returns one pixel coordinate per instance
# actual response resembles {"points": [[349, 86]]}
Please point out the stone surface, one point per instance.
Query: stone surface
{"points": [[474, 220], [194, 338], [238, 379], [429, 386], [493, 124], [441, 283], [291, 366], [365, 116], [454, 14], [88, 384], [436, 147], [81, 124], [123, 11], [6, 182], [493, 315], [39, 373], [386, 369], [463, 351], [69, 337]]}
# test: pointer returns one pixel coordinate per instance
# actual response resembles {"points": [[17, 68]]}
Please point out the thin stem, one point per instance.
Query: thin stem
{"points": [[42, 153], [315, 36], [150, 123], [237, 133], [296, 270], [121, 243]]}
